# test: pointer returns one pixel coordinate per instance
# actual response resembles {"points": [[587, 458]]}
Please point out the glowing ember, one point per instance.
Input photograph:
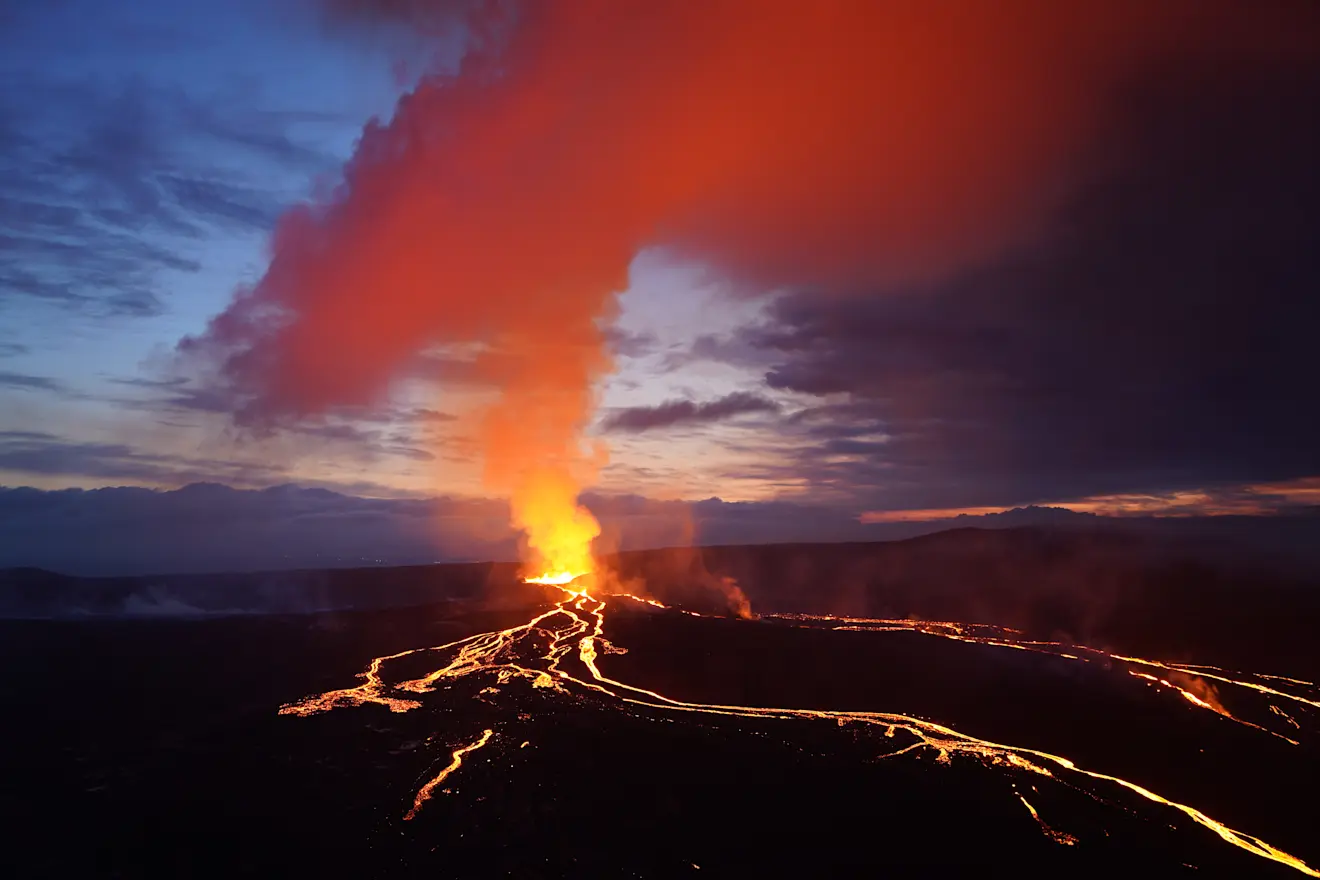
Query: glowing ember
{"points": [[535, 652]]}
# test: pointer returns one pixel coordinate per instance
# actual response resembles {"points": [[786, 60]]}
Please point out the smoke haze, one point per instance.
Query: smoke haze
{"points": [[836, 147]]}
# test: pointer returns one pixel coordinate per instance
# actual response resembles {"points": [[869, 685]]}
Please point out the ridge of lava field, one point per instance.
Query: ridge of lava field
{"points": [[611, 736]]}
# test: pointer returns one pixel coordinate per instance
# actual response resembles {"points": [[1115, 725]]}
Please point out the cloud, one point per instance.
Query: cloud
{"points": [[687, 412], [30, 436], [26, 382], [106, 187], [13, 349], [738, 348], [630, 345], [504, 204], [45, 454], [422, 414], [1158, 339]]}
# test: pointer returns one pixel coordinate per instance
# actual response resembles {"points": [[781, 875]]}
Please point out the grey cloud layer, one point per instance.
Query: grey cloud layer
{"points": [[1161, 337], [687, 412]]}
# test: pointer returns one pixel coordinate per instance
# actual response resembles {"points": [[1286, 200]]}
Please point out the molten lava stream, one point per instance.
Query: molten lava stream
{"points": [[1197, 684], [541, 651]]}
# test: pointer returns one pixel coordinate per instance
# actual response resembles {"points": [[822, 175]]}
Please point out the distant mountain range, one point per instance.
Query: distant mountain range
{"points": [[208, 527]]}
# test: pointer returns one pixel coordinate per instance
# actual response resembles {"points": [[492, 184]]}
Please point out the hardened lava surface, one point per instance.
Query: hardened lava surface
{"points": [[607, 736]]}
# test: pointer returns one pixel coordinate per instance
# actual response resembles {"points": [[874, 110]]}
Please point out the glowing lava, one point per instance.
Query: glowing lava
{"points": [[1057, 836], [536, 652], [558, 529], [424, 793], [1197, 676], [555, 579]]}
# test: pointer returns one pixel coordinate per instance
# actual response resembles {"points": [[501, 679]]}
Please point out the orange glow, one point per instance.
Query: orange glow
{"points": [[573, 630], [1056, 836], [895, 516], [1305, 490], [1192, 502], [1253, 499], [559, 531], [424, 793]]}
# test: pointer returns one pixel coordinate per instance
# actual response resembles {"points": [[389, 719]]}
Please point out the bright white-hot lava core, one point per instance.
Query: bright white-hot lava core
{"points": [[555, 579]]}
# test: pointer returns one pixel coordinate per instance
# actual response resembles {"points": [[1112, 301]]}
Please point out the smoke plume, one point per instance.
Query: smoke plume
{"points": [[832, 145]]}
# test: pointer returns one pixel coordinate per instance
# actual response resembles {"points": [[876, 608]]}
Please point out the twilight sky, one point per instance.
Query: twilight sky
{"points": [[889, 263]]}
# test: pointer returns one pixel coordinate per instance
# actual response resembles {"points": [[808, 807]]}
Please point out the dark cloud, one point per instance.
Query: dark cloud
{"points": [[13, 349], [422, 414], [173, 395], [48, 455], [784, 147], [384, 431], [1162, 337], [630, 345], [26, 436], [687, 412], [29, 383], [102, 184], [737, 348], [180, 395], [152, 384], [41, 384], [243, 207]]}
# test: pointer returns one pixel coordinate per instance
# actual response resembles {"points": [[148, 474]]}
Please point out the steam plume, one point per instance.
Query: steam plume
{"points": [[834, 145]]}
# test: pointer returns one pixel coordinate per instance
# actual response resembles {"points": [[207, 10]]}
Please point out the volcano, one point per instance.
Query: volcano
{"points": [[567, 730]]}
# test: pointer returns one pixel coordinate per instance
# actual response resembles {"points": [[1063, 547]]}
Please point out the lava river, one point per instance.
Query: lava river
{"points": [[562, 650]]}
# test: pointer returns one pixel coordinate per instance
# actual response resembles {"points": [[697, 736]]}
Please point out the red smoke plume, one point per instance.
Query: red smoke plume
{"points": [[843, 145]]}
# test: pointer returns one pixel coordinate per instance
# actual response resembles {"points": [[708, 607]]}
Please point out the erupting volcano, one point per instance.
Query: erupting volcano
{"points": [[756, 437], [560, 651]]}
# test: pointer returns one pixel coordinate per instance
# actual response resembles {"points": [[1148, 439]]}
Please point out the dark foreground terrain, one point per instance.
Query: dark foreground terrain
{"points": [[154, 747]]}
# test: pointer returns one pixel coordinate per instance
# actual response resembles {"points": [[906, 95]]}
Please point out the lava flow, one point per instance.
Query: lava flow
{"points": [[536, 652], [424, 793], [1195, 687]]}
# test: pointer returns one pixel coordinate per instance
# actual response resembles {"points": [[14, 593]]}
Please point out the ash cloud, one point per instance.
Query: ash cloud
{"points": [[687, 412], [855, 146], [1160, 338], [1004, 282]]}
